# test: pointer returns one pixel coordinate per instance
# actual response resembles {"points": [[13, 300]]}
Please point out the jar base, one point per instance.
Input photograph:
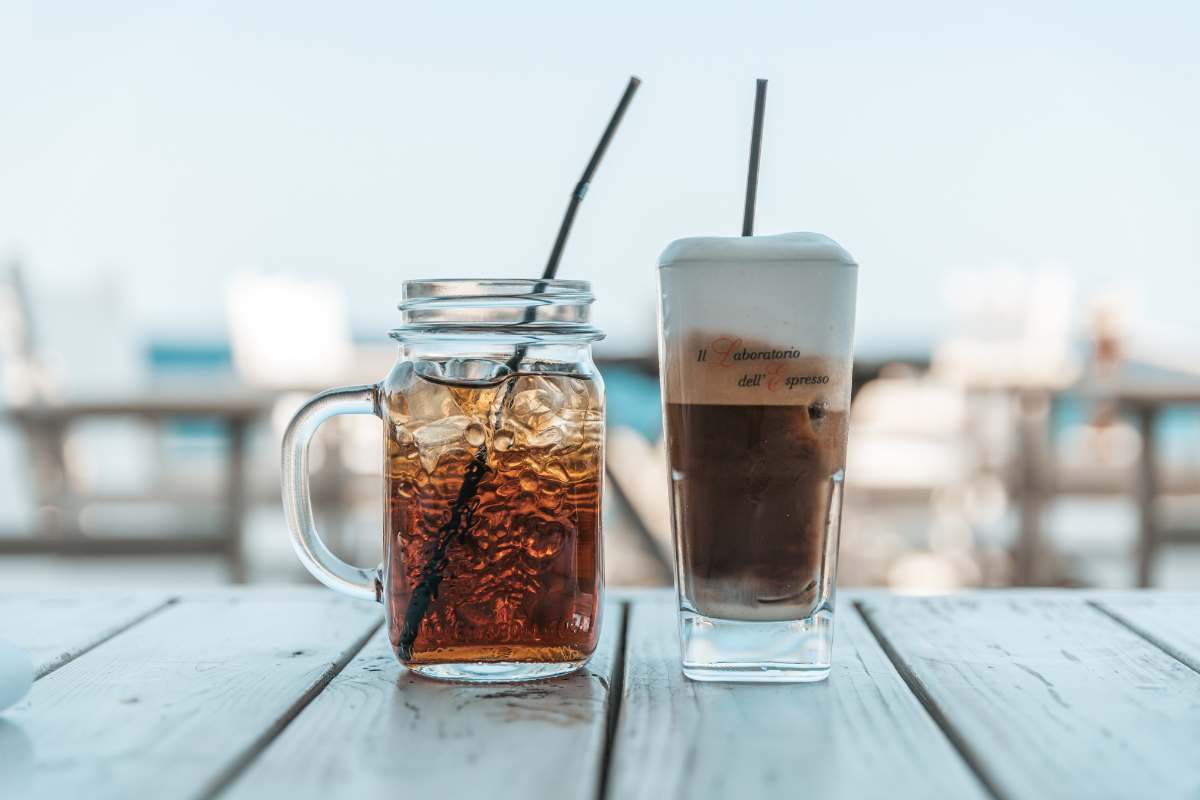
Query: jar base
{"points": [[496, 671]]}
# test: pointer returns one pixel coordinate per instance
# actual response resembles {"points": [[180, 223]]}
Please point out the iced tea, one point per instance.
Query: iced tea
{"points": [[493, 517]]}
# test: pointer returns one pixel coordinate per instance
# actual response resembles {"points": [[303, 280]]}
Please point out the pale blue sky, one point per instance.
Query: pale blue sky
{"points": [[173, 144]]}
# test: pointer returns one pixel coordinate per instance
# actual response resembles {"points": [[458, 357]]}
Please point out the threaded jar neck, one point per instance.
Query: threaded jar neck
{"points": [[515, 310]]}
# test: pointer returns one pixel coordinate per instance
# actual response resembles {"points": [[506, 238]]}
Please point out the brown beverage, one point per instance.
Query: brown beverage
{"points": [[520, 576], [753, 491]]}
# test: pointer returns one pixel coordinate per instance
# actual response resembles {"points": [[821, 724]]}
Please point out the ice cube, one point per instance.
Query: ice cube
{"points": [[576, 392], [442, 432], [535, 401], [429, 401], [401, 435], [436, 438], [568, 431], [546, 437]]}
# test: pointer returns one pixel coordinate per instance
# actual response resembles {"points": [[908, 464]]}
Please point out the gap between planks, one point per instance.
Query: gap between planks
{"points": [[616, 691], [1116, 616], [231, 773], [935, 712], [68, 656], [615, 686]]}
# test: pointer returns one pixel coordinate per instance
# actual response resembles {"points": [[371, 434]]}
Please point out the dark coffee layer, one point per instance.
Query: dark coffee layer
{"points": [[752, 497]]}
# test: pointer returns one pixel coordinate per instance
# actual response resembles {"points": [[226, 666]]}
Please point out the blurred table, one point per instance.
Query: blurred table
{"points": [[294, 693], [44, 428], [1147, 400], [1143, 392]]}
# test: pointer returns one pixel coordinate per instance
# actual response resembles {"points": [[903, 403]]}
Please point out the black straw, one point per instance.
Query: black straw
{"points": [[462, 513], [760, 106], [581, 188]]}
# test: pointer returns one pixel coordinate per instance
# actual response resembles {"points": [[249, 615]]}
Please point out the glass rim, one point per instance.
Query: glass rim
{"points": [[458, 309], [499, 334], [487, 292]]}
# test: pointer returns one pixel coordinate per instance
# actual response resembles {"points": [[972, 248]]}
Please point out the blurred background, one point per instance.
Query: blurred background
{"points": [[207, 212]]}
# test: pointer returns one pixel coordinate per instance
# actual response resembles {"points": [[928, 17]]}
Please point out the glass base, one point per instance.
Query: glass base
{"points": [[497, 671], [792, 651]]}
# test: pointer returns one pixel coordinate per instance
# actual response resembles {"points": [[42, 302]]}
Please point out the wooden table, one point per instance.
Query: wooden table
{"points": [[295, 694]]}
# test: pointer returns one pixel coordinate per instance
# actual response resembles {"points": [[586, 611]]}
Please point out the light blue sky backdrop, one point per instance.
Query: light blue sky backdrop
{"points": [[173, 144]]}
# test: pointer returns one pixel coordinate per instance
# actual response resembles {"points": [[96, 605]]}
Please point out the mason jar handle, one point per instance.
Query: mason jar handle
{"points": [[297, 500]]}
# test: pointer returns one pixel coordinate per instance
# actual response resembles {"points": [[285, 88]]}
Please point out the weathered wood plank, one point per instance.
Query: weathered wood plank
{"points": [[1170, 621], [172, 706], [1048, 697], [860, 734], [377, 730], [56, 628]]}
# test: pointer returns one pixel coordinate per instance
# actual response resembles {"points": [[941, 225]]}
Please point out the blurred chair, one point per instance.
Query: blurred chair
{"points": [[75, 382]]}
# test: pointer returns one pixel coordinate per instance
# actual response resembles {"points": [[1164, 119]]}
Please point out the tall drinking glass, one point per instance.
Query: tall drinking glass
{"points": [[755, 350]]}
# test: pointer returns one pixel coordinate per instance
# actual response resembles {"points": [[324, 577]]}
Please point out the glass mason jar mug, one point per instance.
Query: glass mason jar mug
{"points": [[494, 461]]}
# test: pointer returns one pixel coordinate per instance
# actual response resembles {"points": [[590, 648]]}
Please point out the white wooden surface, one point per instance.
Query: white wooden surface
{"points": [[861, 734], [1047, 697], [377, 730], [55, 628], [1170, 621], [292, 694], [173, 705]]}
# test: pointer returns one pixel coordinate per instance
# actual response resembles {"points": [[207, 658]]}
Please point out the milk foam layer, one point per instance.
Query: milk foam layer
{"points": [[765, 320]]}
